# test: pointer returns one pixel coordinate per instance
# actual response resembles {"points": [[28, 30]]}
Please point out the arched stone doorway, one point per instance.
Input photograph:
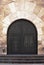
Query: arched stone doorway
{"points": [[22, 37]]}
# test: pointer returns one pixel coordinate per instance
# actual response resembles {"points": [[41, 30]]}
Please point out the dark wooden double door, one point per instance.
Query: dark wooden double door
{"points": [[22, 37]]}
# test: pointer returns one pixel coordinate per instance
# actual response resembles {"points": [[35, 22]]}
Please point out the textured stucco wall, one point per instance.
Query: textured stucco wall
{"points": [[32, 10]]}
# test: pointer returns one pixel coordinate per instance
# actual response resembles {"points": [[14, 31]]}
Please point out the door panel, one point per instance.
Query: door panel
{"points": [[22, 38]]}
